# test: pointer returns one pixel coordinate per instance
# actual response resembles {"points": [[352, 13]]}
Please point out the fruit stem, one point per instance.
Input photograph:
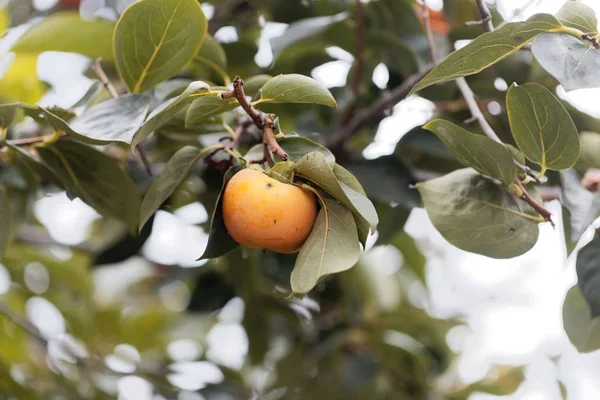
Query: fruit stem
{"points": [[261, 120]]}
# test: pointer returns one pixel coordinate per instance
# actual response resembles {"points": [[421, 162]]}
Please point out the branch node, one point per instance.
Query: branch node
{"points": [[482, 21], [593, 40], [539, 208], [269, 140]]}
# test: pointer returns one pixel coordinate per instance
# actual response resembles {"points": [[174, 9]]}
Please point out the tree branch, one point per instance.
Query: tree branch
{"points": [[486, 17], [469, 97], [238, 93], [270, 143], [97, 68], [429, 33], [260, 119], [386, 101], [540, 209], [360, 46]]}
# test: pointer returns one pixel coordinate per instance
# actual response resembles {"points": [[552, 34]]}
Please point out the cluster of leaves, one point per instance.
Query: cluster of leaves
{"points": [[162, 55], [168, 72]]}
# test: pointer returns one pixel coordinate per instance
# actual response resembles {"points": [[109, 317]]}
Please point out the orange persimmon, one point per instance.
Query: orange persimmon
{"points": [[262, 212]]}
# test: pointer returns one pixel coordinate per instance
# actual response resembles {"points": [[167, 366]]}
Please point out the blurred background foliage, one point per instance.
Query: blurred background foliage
{"points": [[119, 316]]}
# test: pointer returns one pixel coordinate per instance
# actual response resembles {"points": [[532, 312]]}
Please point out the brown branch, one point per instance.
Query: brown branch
{"points": [[593, 40], [469, 97], [477, 115], [97, 68], [540, 209], [145, 161], [239, 131], [591, 179], [486, 17], [270, 143], [260, 119], [240, 96], [386, 101], [360, 46]]}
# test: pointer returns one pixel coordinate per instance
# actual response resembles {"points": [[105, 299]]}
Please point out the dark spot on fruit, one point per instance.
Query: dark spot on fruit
{"points": [[269, 185], [511, 230], [274, 222]]}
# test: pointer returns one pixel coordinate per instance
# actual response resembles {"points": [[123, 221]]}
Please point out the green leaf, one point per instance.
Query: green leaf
{"points": [[5, 221], [255, 83], [206, 107], [95, 178], [331, 247], [219, 240], [283, 171], [155, 39], [488, 49], [57, 122], [479, 152], [422, 149], [476, 215], [33, 164], [295, 88], [7, 114], [296, 147], [169, 179], [314, 168], [304, 29], [346, 177], [541, 126], [574, 63], [589, 154], [213, 56], [579, 16], [516, 153], [114, 120], [386, 180], [583, 205], [167, 111], [67, 32], [588, 274], [582, 329]]}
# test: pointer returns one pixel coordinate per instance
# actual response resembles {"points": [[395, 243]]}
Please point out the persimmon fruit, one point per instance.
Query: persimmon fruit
{"points": [[261, 212]]}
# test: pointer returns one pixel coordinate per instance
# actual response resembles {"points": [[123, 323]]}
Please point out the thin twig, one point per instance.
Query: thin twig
{"points": [[469, 97], [260, 119], [477, 115], [240, 96], [239, 131], [486, 17], [593, 40], [270, 143], [429, 32], [540, 209], [145, 161], [378, 108], [97, 68], [360, 46]]}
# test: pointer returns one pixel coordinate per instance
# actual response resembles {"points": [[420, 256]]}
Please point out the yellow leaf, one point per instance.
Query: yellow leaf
{"points": [[20, 82]]}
